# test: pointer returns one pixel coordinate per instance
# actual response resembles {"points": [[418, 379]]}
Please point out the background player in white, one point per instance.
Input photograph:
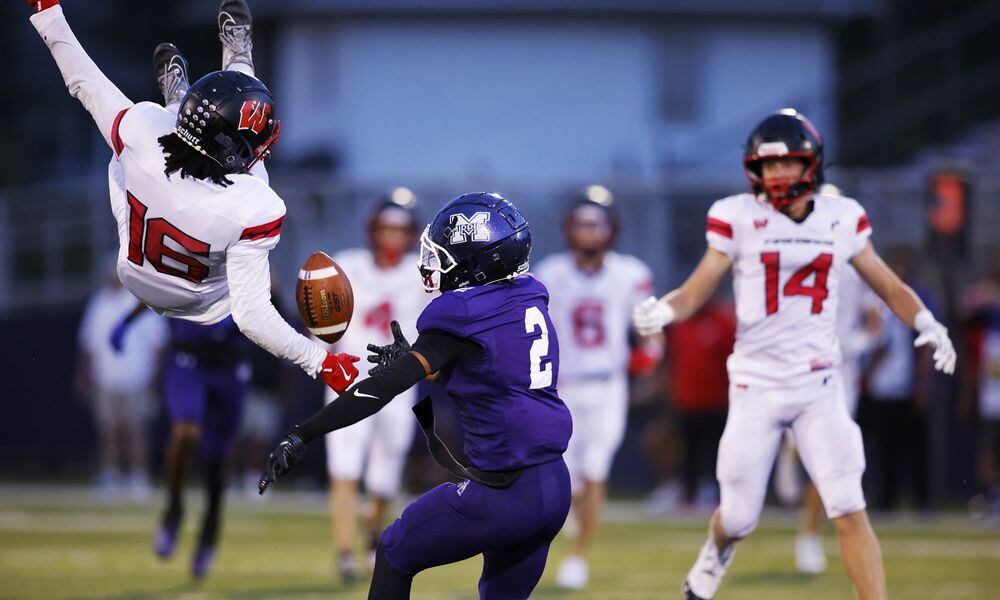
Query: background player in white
{"points": [[196, 217], [120, 385], [787, 247], [593, 292], [384, 291], [858, 323]]}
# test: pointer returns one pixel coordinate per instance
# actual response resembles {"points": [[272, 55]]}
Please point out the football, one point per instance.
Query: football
{"points": [[324, 297]]}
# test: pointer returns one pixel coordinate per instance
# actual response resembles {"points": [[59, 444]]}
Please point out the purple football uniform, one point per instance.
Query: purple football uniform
{"points": [[512, 419], [510, 413], [206, 380]]}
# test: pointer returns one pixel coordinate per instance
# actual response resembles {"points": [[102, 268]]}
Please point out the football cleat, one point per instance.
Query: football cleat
{"points": [[689, 595], [573, 573], [166, 539], [809, 555], [235, 33], [171, 70], [706, 575], [201, 564], [347, 568]]}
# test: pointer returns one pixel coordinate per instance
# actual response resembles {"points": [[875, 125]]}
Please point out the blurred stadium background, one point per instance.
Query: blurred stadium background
{"points": [[534, 99]]}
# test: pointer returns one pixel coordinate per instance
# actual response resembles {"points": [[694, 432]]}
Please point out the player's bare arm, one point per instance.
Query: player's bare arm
{"points": [[85, 81], [654, 314], [907, 306]]}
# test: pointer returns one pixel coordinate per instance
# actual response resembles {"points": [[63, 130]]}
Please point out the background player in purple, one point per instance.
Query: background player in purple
{"points": [[489, 339], [205, 382]]}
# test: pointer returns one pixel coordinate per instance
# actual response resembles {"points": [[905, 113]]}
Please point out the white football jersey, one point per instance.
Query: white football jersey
{"points": [[380, 296], [174, 232], [592, 312], [786, 278]]}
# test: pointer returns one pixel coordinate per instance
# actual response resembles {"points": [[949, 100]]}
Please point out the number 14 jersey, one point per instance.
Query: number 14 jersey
{"points": [[786, 277]]}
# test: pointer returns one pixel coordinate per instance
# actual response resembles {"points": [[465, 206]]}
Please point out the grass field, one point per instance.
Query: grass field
{"points": [[60, 543]]}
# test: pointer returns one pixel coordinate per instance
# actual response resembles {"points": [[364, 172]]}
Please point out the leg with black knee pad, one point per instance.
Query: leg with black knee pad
{"points": [[387, 582]]}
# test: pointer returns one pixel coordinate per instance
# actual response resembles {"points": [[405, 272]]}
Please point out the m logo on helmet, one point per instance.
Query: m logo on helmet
{"points": [[464, 229], [254, 115]]}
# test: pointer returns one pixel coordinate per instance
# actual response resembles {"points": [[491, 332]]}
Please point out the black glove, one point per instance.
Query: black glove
{"points": [[386, 355], [284, 456]]}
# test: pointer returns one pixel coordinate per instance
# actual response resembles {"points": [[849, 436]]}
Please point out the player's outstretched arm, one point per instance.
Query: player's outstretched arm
{"points": [[654, 314], [906, 305], [102, 99], [249, 278], [362, 400], [432, 351]]}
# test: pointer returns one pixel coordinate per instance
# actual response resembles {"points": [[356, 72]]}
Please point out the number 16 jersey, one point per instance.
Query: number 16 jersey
{"points": [[175, 233], [786, 277]]}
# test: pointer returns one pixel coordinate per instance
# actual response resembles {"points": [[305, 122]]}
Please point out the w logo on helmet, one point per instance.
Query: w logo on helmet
{"points": [[254, 115], [464, 229]]}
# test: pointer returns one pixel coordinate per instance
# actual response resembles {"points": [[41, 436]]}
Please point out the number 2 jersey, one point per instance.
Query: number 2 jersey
{"points": [[511, 415], [786, 278]]}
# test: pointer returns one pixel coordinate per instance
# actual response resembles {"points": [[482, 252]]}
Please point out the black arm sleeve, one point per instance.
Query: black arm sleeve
{"points": [[364, 398], [368, 396], [441, 348]]}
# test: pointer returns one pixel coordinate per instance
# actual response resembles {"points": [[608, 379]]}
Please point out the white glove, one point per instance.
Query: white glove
{"points": [[651, 316], [933, 333]]}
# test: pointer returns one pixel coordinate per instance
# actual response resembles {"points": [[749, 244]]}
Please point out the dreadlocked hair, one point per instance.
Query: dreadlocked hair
{"points": [[184, 158]]}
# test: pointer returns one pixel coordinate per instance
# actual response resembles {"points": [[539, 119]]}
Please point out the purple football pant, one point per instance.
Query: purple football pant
{"points": [[512, 528], [211, 397]]}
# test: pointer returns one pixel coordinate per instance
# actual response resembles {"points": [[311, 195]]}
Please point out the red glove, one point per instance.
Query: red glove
{"points": [[642, 361], [40, 5], [339, 371]]}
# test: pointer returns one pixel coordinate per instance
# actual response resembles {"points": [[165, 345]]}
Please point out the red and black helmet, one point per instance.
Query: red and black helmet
{"points": [[784, 133], [229, 117]]}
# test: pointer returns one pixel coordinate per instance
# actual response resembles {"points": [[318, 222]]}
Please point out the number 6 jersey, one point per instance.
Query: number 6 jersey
{"points": [[786, 277]]}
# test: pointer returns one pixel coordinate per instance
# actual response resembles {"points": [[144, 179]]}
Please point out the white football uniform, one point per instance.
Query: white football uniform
{"points": [[188, 249], [783, 370], [592, 314], [377, 446]]}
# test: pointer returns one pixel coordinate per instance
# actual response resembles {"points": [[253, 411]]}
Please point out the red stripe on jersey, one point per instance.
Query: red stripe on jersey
{"points": [[116, 138], [863, 223], [263, 231], [720, 227]]}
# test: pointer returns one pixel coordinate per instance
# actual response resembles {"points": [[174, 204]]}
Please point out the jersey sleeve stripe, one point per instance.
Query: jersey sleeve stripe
{"points": [[863, 223], [263, 231], [116, 138], [720, 227]]}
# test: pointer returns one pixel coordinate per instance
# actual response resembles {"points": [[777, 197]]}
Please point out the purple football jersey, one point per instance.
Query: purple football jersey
{"points": [[510, 412], [222, 335]]}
